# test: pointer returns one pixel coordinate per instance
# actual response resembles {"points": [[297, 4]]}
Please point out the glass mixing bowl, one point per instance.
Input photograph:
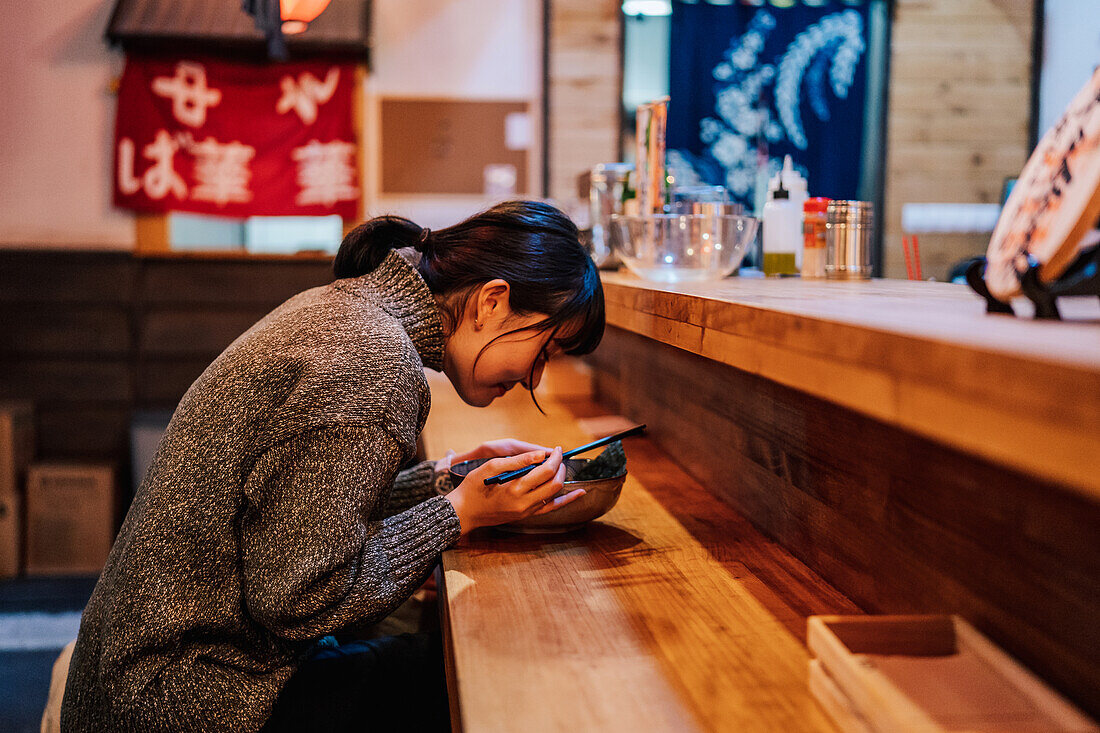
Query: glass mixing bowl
{"points": [[682, 247]]}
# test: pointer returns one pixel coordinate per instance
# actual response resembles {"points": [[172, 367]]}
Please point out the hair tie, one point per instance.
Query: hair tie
{"points": [[422, 242]]}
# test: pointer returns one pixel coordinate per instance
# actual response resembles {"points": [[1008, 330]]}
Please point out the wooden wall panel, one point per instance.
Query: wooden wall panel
{"points": [[68, 277], [66, 380], [201, 330], [897, 523], [91, 432], [53, 329], [958, 115], [263, 282], [159, 383], [585, 75], [89, 337], [66, 346], [188, 310]]}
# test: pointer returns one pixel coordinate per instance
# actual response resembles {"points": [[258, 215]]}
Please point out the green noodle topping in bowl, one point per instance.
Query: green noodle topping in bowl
{"points": [[610, 463]]}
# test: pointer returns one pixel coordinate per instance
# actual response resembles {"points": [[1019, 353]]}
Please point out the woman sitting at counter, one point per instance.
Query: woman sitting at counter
{"points": [[276, 512]]}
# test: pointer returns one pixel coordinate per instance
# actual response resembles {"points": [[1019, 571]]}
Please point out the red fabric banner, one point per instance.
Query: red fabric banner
{"points": [[236, 139]]}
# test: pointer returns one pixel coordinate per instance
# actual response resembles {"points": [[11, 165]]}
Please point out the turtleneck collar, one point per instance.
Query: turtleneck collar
{"points": [[403, 294]]}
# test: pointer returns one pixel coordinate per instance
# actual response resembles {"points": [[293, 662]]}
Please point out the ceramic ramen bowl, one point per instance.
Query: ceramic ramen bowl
{"points": [[601, 494]]}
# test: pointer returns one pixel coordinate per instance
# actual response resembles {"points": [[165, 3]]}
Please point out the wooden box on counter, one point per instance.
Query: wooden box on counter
{"points": [[70, 518], [927, 673]]}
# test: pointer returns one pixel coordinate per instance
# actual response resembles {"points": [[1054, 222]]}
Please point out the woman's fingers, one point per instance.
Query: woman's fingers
{"points": [[544, 493], [502, 447], [461, 457], [510, 463], [445, 463], [540, 475], [510, 447], [559, 501]]}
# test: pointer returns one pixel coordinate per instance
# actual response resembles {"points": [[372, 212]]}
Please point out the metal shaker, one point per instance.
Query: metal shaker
{"points": [[607, 183], [849, 234]]}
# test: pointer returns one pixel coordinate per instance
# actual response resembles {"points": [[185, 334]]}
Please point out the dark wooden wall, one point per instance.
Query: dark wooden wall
{"points": [[897, 523], [92, 337]]}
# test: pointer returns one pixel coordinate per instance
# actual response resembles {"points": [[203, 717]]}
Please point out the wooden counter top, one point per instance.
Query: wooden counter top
{"points": [[671, 613], [922, 356]]}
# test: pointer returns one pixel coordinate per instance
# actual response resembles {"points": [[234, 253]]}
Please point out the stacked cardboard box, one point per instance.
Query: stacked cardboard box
{"points": [[16, 453], [70, 518]]}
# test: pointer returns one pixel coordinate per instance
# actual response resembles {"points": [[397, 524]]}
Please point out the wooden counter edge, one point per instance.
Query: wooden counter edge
{"points": [[449, 667], [1047, 429]]}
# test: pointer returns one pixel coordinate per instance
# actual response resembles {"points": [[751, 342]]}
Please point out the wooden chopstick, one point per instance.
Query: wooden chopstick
{"points": [[507, 476]]}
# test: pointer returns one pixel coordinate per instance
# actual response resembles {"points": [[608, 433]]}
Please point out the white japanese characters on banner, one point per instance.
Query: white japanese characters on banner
{"points": [[236, 139]]}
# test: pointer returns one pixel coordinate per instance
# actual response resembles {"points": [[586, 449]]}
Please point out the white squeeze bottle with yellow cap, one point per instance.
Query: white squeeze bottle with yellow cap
{"points": [[792, 180], [798, 193], [782, 224]]}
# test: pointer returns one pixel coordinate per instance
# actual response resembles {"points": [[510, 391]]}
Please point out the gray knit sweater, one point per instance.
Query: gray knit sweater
{"points": [[274, 513]]}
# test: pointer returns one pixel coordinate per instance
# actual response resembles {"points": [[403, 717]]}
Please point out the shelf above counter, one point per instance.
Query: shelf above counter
{"points": [[919, 355]]}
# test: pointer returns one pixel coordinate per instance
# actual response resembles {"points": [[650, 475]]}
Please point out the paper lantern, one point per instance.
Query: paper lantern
{"points": [[297, 14]]}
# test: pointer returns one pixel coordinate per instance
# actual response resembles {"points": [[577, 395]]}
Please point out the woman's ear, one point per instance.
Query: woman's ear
{"points": [[491, 305]]}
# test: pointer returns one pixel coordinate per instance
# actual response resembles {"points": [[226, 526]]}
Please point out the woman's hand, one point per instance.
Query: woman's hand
{"points": [[478, 505], [492, 449]]}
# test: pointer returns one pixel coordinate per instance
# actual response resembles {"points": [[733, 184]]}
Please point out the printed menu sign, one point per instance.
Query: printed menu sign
{"points": [[236, 139], [1055, 202]]}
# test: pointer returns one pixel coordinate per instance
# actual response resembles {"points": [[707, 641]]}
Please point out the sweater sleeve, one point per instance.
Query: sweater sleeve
{"points": [[311, 561], [412, 486]]}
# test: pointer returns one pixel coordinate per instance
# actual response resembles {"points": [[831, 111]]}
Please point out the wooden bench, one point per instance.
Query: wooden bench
{"points": [[669, 613]]}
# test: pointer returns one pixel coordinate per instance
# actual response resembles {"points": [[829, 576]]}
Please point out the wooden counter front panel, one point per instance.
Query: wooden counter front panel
{"points": [[898, 523], [920, 356]]}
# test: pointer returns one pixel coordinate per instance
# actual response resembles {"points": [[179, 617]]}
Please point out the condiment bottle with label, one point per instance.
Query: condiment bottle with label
{"points": [[782, 234], [813, 238]]}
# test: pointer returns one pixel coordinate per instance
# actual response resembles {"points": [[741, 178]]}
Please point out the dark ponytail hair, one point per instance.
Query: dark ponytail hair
{"points": [[531, 245], [365, 246]]}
